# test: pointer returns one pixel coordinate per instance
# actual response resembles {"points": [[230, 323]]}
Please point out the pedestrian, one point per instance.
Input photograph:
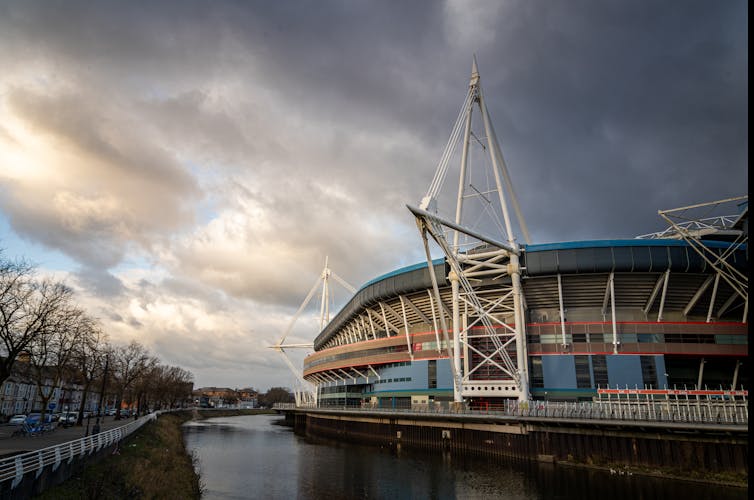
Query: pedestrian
{"points": [[95, 429]]}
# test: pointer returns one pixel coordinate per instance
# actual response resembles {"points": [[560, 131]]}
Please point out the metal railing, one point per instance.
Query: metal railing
{"points": [[14, 468], [691, 412]]}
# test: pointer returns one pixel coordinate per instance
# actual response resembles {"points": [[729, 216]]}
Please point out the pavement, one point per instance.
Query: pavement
{"points": [[10, 446]]}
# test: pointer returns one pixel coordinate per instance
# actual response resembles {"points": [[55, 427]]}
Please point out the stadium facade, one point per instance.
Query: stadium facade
{"points": [[494, 320], [383, 346]]}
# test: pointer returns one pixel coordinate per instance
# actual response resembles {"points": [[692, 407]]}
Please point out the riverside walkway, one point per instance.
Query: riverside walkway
{"points": [[10, 445]]}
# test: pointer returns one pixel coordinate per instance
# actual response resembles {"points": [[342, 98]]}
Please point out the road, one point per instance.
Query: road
{"points": [[10, 446]]}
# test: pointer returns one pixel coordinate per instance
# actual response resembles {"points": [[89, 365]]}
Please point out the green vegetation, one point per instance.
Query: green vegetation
{"points": [[153, 463]]}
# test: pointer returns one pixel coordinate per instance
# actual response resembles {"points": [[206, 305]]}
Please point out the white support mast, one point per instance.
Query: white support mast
{"points": [[306, 394], [494, 257]]}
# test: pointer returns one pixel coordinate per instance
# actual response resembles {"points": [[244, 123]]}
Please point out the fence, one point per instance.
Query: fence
{"points": [[671, 411], [14, 468]]}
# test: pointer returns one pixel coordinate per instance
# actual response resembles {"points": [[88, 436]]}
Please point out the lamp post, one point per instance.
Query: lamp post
{"points": [[102, 390]]}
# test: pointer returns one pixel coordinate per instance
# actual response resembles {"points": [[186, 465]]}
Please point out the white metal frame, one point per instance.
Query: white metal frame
{"points": [[492, 258], [306, 392], [685, 225]]}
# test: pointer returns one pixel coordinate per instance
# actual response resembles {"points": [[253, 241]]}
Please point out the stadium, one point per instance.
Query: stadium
{"points": [[384, 346], [658, 315]]}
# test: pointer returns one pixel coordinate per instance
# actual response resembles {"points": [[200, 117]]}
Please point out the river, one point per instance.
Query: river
{"points": [[253, 457]]}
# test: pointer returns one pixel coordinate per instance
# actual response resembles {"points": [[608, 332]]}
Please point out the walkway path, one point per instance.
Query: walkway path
{"points": [[13, 445]]}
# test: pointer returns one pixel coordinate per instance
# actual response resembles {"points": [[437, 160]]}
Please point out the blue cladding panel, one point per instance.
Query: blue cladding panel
{"points": [[444, 374], [659, 258], [585, 260], [560, 371], [403, 270], [642, 260], [678, 258], [547, 260], [603, 258], [621, 256], [567, 262], [624, 370], [624, 259], [618, 243], [417, 372]]}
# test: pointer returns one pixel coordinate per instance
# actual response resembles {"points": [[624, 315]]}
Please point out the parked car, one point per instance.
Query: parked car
{"points": [[33, 418], [68, 419], [17, 419]]}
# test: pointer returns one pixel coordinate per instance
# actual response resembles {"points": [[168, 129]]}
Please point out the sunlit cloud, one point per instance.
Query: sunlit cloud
{"points": [[197, 163]]}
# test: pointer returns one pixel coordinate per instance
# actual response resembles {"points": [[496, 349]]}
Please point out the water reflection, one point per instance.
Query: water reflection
{"points": [[251, 457]]}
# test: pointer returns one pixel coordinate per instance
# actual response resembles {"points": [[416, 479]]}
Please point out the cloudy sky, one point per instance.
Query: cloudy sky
{"points": [[187, 166]]}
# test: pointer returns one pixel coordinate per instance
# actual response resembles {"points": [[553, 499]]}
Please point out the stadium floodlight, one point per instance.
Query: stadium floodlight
{"points": [[305, 393], [479, 257]]}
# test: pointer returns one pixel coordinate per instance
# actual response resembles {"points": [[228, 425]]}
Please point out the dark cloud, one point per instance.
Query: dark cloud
{"points": [[614, 110], [239, 143], [101, 283]]}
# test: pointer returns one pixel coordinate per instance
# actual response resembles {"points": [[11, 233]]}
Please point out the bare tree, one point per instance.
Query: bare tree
{"points": [[177, 385], [27, 309], [163, 386], [89, 359], [51, 352], [130, 363], [276, 395]]}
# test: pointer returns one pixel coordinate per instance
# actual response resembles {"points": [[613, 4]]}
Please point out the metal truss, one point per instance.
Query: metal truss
{"points": [[306, 392], [492, 331], [684, 224]]}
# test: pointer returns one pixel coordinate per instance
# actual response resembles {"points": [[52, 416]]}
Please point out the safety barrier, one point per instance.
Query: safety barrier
{"points": [[14, 468], [678, 411]]}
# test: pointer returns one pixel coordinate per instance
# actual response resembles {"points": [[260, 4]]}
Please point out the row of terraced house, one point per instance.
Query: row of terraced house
{"points": [[20, 394]]}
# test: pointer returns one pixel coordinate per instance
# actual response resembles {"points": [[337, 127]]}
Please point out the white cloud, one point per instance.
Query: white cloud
{"points": [[198, 164]]}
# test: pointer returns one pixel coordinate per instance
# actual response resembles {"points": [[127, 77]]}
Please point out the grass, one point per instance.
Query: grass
{"points": [[151, 464]]}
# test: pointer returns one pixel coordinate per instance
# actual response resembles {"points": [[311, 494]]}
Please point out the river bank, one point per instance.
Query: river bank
{"points": [[257, 458], [152, 463]]}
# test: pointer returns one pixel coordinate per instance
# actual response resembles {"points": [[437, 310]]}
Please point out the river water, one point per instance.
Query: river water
{"points": [[253, 457]]}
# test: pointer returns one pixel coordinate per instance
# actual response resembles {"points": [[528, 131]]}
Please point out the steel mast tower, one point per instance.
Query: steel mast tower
{"points": [[306, 394], [491, 333]]}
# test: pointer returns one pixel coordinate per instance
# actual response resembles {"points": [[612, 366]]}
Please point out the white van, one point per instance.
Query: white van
{"points": [[68, 418]]}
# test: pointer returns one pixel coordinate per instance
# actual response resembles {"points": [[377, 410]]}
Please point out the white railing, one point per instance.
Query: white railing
{"points": [[726, 413], [14, 468], [290, 406]]}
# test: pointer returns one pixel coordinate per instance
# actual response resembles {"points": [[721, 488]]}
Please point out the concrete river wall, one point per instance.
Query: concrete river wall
{"points": [[707, 452]]}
